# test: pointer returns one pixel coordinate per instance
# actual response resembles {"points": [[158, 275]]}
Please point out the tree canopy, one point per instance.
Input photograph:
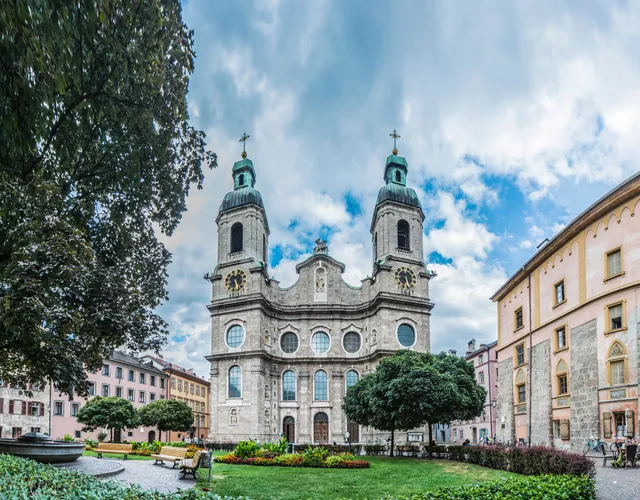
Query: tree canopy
{"points": [[96, 157], [411, 389], [108, 413], [167, 415]]}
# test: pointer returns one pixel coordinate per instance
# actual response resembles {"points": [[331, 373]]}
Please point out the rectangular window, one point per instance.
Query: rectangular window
{"points": [[192, 389], [35, 429], [519, 322], [161, 383], [520, 355], [152, 379], [105, 390], [563, 387], [481, 360], [559, 292], [173, 382], [131, 376], [522, 393], [131, 395], [58, 408], [152, 397], [615, 317], [161, 396], [92, 389], [481, 377], [415, 437], [179, 385], [197, 390], [142, 378], [105, 370], [16, 432], [75, 408], [78, 434], [617, 373], [561, 338], [141, 398], [119, 392], [621, 428], [614, 263], [119, 372]]}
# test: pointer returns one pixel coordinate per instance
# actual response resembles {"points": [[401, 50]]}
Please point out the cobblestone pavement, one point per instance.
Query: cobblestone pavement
{"points": [[616, 484], [152, 477], [93, 466]]}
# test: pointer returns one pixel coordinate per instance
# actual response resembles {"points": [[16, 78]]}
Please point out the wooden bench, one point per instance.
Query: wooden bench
{"points": [[125, 449], [190, 465], [413, 450], [171, 454]]}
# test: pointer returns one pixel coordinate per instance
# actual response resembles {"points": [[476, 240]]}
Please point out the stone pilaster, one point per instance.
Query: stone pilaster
{"points": [[541, 432]]}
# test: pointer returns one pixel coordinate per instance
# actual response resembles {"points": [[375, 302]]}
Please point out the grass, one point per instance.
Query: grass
{"points": [[87, 453], [387, 476]]}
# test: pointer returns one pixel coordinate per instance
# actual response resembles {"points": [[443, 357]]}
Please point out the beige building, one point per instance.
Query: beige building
{"points": [[283, 358], [568, 331]]}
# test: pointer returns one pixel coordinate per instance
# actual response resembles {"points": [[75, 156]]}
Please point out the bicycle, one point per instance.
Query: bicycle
{"points": [[598, 446]]}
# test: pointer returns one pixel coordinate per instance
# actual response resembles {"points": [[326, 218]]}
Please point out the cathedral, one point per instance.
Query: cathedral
{"points": [[282, 359]]}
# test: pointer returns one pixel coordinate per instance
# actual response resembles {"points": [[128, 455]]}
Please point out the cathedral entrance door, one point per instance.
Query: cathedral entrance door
{"points": [[354, 432], [320, 428], [289, 429]]}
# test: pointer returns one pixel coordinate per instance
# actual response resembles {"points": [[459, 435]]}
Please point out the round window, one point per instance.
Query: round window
{"points": [[320, 342], [289, 342], [406, 335], [351, 342], [235, 336]]}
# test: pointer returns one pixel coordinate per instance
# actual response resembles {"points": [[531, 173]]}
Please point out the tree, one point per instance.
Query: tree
{"points": [[108, 413], [410, 389], [167, 415], [96, 157]]}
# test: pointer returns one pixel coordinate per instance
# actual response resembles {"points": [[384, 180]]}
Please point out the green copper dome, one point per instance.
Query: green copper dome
{"points": [[399, 194], [241, 196]]}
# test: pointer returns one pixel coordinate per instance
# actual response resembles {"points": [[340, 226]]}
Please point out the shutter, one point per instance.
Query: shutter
{"points": [[1, 408], [630, 421], [29, 407], [41, 409], [11, 405], [606, 424], [565, 429], [24, 407]]}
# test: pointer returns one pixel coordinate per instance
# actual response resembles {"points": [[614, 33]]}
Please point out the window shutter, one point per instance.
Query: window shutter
{"points": [[630, 420], [1, 408], [41, 409], [606, 424], [565, 429], [29, 407], [24, 407], [11, 405]]}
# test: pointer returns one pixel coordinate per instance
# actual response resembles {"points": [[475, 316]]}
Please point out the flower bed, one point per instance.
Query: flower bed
{"points": [[295, 460], [532, 461]]}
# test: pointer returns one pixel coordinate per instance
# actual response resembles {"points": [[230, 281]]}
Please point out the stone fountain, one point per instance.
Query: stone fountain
{"points": [[42, 448]]}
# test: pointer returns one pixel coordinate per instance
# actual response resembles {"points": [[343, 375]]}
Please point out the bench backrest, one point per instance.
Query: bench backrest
{"points": [[196, 458], [173, 451], [115, 446]]}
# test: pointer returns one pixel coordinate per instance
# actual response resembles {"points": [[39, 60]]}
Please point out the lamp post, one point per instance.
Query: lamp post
{"points": [[347, 437]]}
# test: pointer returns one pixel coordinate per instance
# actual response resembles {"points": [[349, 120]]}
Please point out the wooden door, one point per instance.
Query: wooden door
{"points": [[289, 429], [116, 436], [354, 432], [321, 432]]}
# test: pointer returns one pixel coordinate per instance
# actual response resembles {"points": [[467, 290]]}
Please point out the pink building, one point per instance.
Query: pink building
{"points": [[485, 361], [123, 376]]}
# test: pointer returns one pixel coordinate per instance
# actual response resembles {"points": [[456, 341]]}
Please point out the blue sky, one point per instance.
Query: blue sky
{"points": [[514, 117]]}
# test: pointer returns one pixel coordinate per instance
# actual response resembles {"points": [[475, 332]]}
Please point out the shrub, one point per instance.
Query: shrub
{"points": [[278, 447], [226, 446], [296, 460], [374, 449], [102, 436], [545, 487], [67, 438], [246, 449], [314, 457]]}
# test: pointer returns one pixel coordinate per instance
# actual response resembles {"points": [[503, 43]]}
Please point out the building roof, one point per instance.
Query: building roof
{"points": [[178, 370], [399, 194], [127, 359], [619, 194], [241, 196], [482, 348]]}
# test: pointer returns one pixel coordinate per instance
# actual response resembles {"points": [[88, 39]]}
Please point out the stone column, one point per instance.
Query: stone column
{"points": [[541, 432]]}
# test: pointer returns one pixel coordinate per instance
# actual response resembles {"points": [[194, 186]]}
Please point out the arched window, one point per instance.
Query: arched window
{"points": [[320, 386], [403, 234], [562, 376], [320, 342], [351, 378], [406, 335], [241, 180], [398, 176], [351, 342], [236, 237], [617, 364], [235, 336], [289, 384], [289, 342], [235, 382], [264, 248], [267, 392]]}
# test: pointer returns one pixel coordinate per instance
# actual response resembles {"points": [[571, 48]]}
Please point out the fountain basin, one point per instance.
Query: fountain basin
{"points": [[41, 448]]}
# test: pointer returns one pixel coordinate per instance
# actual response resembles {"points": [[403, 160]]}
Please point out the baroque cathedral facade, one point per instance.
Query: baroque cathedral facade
{"points": [[283, 358]]}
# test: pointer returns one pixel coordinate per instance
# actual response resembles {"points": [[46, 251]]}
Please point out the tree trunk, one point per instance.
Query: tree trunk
{"points": [[392, 442], [111, 431], [430, 455], [159, 436]]}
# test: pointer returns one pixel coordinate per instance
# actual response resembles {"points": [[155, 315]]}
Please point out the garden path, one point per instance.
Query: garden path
{"points": [[151, 477]]}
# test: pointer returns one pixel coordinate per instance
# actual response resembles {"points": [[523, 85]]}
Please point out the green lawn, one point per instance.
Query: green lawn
{"points": [[87, 453], [387, 476]]}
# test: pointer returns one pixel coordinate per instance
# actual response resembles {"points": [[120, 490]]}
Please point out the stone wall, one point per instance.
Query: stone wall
{"points": [[505, 428], [541, 432], [19, 420], [585, 422]]}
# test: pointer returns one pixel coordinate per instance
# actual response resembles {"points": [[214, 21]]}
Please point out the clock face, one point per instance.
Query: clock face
{"points": [[405, 277], [235, 280]]}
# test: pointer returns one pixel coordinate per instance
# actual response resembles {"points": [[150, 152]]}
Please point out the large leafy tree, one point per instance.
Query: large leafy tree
{"points": [[167, 415], [410, 389], [108, 413], [96, 157]]}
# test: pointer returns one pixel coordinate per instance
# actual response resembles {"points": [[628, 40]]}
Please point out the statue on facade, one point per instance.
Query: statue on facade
{"points": [[321, 247]]}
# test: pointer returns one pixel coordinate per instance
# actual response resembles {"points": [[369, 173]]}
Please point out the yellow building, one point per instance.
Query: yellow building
{"points": [[186, 386]]}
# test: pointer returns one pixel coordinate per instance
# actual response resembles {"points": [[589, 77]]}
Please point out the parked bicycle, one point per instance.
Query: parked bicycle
{"points": [[598, 446]]}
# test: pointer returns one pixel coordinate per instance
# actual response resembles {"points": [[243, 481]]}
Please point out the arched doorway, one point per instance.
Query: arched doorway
{"points": [[289, 429], [320, 428], [152, 437]]}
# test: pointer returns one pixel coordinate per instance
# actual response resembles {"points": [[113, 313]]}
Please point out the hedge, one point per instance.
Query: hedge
{"points": [[545, 487], [294, 460], [532, 461]]}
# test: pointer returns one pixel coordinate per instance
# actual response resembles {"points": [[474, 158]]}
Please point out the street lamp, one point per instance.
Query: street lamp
{"points": [[347, 437]]}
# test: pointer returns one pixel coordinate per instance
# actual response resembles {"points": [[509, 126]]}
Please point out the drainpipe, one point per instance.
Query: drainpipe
{"points": [[491, 431], [530, 402], [50, 408]]}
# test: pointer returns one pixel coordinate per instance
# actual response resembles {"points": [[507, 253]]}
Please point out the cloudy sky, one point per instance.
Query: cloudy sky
{"points": [[514, 117]]}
